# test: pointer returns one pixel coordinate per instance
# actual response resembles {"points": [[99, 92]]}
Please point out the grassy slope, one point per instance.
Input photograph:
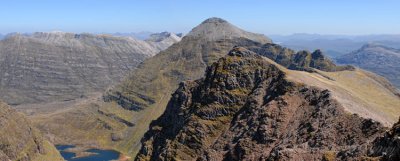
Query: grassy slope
{"points": [[360, 92], [20, 139]]}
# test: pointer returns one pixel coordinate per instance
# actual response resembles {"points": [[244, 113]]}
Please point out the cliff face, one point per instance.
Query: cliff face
{"points": [[246, 109], [57, 66], [19, 140], [387, 146]]}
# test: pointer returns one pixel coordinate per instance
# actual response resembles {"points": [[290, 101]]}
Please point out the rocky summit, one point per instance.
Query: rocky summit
{"points": [[376, 58], [245, 108], [216, 28], [19, 140], [147, 89], [58, 66]]}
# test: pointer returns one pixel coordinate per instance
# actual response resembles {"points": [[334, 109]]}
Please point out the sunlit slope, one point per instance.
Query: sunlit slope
{"points": [[359, 91]]}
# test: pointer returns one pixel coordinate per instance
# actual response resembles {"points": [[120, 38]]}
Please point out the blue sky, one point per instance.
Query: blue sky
{"points": [[352, 17]]}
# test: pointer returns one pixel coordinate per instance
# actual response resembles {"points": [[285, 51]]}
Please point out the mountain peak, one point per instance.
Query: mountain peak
{"points": [[214, 20], [158, 37], [214, 29]]}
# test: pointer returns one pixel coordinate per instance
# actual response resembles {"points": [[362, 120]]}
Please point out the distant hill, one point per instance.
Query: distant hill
{"points": [[334, 45], [376, 58], [57, 66]]}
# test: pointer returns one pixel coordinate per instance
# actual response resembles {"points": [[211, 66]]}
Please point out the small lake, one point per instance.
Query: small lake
{"points": [[100, 155]]}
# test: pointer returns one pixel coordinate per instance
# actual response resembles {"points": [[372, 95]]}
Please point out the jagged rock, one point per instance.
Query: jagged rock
{"points": [[301, 60], [260, 115], [387, 147]]}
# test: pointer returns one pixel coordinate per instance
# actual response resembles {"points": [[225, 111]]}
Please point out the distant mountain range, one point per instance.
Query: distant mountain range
{"points": [[57, 66], [144, 35], [334, 45], [376, 58]]}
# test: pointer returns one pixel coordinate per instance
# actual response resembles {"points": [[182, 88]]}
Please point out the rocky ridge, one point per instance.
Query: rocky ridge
{"points": [[246, 109]]}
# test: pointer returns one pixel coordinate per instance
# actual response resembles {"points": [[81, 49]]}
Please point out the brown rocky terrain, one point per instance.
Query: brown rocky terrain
{"points": [[245, 108], [19, 140]]}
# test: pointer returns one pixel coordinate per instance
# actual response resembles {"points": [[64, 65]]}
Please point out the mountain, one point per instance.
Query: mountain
{"points": [[120, 119], [19, 140], [144, 93], [163, 40], [1, 36], [334, 45], [58, 66], [247, 107], [215, 29], [137, 35], [376, 58]]}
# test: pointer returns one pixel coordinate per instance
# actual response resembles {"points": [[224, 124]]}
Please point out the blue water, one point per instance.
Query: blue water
{"points": [[101, 155]]}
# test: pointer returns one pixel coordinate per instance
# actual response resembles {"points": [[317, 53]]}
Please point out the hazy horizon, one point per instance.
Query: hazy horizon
{"points": [[359, 17]]}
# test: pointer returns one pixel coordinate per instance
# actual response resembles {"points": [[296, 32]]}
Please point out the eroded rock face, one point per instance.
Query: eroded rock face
{"points": [[245, 109], [19, 140]]}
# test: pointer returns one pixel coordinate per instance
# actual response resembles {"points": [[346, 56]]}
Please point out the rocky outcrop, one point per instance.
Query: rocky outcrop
{"points": [[301, 60], [19, 140], [376, 58], [387, 147], [58, 66], [245, 109]]}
